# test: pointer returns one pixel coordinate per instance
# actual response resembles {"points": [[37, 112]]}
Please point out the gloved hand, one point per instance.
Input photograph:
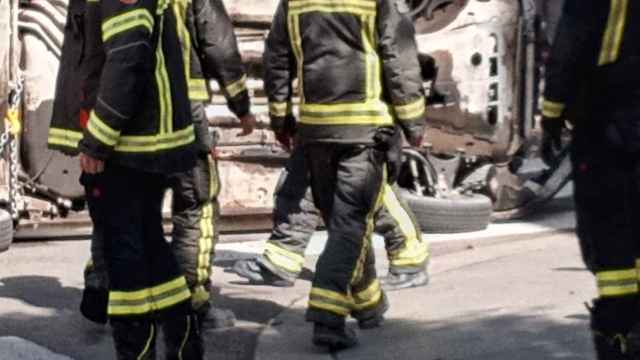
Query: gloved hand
{"points": [[388, 141], [551, 139], [284, 138]]}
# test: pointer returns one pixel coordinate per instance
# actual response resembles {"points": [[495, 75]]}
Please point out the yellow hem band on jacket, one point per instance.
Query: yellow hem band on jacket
{"points": [[612, 38], [552, 109], [126, 21], [146, 300], [151, 143], [236, 87], [102, 131], [64, 137]]}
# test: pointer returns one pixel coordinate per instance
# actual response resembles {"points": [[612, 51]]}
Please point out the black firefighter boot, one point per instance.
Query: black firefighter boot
{"points": [[610, 327], [134, 339], [334, 338], [182, 337]]}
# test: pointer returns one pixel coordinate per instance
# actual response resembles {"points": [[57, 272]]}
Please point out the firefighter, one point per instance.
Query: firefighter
{"points": [[357, 75], [596, 52], [138, 131], [296, 218], [210, 49]]}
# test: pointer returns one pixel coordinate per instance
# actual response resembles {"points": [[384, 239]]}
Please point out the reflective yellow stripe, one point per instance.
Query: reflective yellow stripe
{"points": [[145, 293], [148, 307], [283, 258], [147, 346], [101, 131], [127, 21], [616, 275], [153, 143], [612, 38], [357, 7], [63, 137], [331, 295], [162, 6], [372, 60], [330, 307], [368, 293], [413, 255], [617, 282], [186, 337], [293, 24], [412, 110], [205, 242], [279, 109], [366, 241], [237, 87], [368, 303], [164, 89], [333, 9], [400, 215], [618, 290], [198, 90], [373, 113], [552, 109], [150, 299]]}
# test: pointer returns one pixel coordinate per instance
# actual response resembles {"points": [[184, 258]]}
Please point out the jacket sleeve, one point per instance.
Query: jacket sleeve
{"points": [[279, 71], [127, 31], [400, 68], [219, 54], [573, 53]]}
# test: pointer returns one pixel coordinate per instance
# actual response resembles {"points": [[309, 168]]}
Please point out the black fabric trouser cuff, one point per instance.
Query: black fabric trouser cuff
{"points": [[325, 318]]}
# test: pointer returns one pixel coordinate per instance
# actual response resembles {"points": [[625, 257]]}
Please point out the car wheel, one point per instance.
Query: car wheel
{"points": [[6, 230], [454, 214]]}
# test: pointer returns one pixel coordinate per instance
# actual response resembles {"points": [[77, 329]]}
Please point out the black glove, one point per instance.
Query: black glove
{"points": [[551, 139], [284, 138], [285, 132], [389, 141]]}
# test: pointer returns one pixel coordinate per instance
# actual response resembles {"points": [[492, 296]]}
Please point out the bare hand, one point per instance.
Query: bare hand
{"points": [[90, 165], [248, 123]]}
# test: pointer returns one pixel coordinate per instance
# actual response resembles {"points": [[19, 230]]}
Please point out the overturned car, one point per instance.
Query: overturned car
{"points": [[481, 65]]}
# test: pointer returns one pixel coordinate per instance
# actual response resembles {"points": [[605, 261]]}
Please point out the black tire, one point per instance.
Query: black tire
{"points": [[455, 214], [6, 230]]}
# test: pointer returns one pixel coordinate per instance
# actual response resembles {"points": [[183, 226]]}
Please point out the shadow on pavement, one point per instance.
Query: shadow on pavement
{"points": [[46, 313], [40, 291], [474, 337]]}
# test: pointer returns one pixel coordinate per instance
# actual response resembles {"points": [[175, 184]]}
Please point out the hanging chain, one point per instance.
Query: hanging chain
{"points": [[10, 135]]}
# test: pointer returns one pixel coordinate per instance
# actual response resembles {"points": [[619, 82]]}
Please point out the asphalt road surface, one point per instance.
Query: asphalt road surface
{"points": [[515, 287]]}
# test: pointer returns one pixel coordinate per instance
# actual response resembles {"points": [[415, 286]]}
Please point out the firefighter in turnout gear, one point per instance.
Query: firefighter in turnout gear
{"points": [[210, 49], [296, 218], [136, 132], [597, 51], [357, 76]]}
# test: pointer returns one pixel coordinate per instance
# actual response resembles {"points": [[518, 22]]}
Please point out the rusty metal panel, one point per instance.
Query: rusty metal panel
{"points": [[5, 50], [475, 54]]}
